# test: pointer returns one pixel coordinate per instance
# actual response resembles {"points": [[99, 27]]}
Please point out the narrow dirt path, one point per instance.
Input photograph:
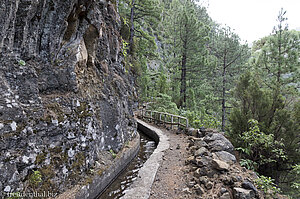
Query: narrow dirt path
{"points": [[171, 178]]}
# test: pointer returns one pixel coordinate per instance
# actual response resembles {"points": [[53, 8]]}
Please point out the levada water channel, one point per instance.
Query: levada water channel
{"points": [[127, 177]]}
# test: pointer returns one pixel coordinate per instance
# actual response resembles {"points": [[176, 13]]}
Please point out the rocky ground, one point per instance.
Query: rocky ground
{"points": [[201, 165]]}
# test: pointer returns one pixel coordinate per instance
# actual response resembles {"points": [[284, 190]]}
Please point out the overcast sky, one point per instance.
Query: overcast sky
{"points": [[253, 19]]}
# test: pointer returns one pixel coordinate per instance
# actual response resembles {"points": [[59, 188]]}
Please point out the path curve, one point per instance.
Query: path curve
{"points": [[141, 188]]}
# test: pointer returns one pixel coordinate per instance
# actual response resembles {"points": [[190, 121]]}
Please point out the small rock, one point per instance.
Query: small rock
{"points": [[65, 170], [248, 185], [215, 176], [198, 173], [240, 193], [191, 184], [13, 126], [200, 152], [203, 179], [71, 153], [25, 159], [225, 196], [192, 131], [7, 189], [55, 122], [190, 160], [209, 185], [193, 149], [178, 146], [227, 180], [220, 165], [186, 191], [223, 190], [199, 190], [202, 129], [201, 162], [237, 178], [199, 142]]}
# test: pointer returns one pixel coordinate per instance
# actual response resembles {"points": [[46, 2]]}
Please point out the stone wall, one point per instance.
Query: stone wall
{"points": [[215, 170], [66, 99]]}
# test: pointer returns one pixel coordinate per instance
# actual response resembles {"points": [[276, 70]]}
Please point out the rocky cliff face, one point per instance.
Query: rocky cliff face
{"points": [[66, 98]]}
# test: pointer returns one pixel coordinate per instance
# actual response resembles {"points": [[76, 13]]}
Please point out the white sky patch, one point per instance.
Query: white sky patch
{"points": [[253, 19]]}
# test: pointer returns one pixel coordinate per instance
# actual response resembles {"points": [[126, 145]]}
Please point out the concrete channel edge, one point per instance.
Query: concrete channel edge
{"points": [[141, 188], [101, 182]]}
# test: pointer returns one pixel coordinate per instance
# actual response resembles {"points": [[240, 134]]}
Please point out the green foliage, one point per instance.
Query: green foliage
{"points": [[268, 95], [22, 62], [162, 83], [35, 178], [248, 164], [113, 154], [124, 48], [163, 103], [198, 119], [259, 147], [277, 56], [267, 185], [294, 182], [296, 171]]}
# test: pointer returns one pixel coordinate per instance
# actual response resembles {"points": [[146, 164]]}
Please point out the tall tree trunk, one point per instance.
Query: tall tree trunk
{"points": [[223, 97], [132, 26], [183, 79]]}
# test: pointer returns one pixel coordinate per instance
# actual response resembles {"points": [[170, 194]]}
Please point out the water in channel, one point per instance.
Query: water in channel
{"points": [[117, 188]]}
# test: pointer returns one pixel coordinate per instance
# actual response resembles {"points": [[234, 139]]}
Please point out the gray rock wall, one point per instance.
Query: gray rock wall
{"points": [[66, 99]]}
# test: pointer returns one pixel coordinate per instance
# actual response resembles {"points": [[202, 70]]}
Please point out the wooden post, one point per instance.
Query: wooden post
{"points": [[171, 121], [186, 123], [165, 115], [151, 116], [159, 117]]}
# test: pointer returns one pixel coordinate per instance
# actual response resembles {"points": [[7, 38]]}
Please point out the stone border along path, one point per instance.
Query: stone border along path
{"points": [[141, 188]]}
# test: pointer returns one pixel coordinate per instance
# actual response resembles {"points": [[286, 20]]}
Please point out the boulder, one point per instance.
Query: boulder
{"points": [[217, 142], [225, 156]]}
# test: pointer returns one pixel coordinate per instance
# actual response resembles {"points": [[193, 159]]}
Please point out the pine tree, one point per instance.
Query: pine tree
{"points": [[269, 95], [186, 44], [277, 62], [141, 13], [231, 55]]}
